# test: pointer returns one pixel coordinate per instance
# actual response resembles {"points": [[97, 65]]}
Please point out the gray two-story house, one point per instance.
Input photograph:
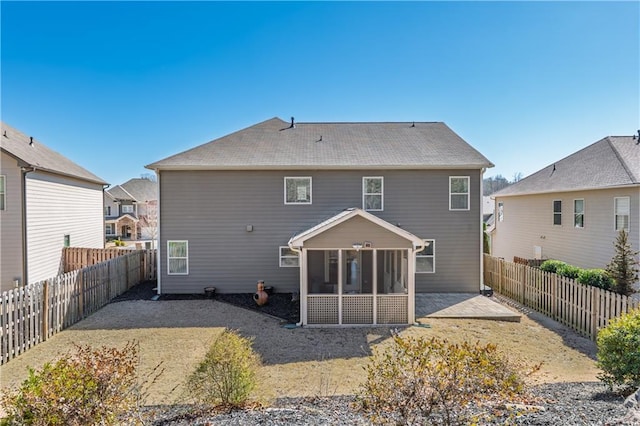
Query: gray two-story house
{"points": [[356, 217]]}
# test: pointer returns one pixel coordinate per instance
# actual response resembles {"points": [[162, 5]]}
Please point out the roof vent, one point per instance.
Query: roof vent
{"points": [[31, 140], [5, 134], [637, 138], [293, 124], [414, 124]]}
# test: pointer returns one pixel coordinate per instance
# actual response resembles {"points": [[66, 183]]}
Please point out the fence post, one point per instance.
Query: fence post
{"points": [[45, 309], [80, 288], [595, 297]]}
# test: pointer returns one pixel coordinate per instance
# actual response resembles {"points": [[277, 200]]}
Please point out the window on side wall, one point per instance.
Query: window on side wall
{"points": [[500, 211], [557, 212], [177, 257], [458, 192], [297, 190], [372, 193], [622, 210], [127, 208], [3, 192], [288, 258], [578, 213], [426, 259]]}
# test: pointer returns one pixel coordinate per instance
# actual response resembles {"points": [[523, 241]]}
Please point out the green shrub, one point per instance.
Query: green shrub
{"points": [[90, 386], [619, 351], [227, 375], [568, 271], [551, 265], [419, 381], [596, 278]]}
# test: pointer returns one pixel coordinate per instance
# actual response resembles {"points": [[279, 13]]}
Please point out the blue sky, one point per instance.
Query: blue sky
{"points": [[118, 85]]}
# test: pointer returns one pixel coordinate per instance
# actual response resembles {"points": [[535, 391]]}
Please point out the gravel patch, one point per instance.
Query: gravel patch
{"points": [[569, 404]]}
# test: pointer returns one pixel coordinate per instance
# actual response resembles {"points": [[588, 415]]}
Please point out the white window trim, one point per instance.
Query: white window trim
{"points": [[128, 206], [468, 193], [281, 258], [169, 257], [500, 211], [310, 190], [615, 213], [364, 193], [433, 256], [553, 216], [584, 209]]}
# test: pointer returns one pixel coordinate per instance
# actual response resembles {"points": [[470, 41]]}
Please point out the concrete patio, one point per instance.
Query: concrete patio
{"points": [[462, 305]]}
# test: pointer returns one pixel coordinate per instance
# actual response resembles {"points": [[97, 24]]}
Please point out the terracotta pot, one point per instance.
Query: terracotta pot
{"points": [[261, 296]]}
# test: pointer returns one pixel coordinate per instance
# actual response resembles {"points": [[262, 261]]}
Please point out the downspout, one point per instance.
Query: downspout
{"points": [[297, 250], [482, 288], [159, 230], [25, 268]]}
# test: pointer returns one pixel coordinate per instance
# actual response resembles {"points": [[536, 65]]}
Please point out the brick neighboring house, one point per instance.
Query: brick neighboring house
{"points": [[131, 210], [356, 217], [573, 209], [46, 202]]}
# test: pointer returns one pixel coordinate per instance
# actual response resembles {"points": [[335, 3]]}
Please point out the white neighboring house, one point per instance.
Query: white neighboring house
{"points": [[573, 209], [131, 210], [46, 202]]}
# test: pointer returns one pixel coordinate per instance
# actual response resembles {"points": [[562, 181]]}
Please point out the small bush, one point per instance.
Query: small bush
{"points": [[596, 278], [90, 386], [418, 381], [568, 271], [619, 351], [551, 265], [227, 375]]}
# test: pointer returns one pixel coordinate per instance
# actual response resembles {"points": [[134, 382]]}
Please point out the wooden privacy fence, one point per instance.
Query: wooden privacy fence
{"points": [[74, 258], [31, 314], [585, 309]]}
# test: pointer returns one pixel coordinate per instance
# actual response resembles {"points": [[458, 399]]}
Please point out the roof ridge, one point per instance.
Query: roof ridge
{"points": [[621, 160], [368, 122]]}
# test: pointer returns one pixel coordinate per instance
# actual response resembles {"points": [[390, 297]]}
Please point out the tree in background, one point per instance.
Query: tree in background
{"points": [[623, 267], [498, 182], [149, 221]]}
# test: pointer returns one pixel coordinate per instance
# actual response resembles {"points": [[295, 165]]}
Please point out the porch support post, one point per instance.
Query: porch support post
{"points": [[411, 283], [340, 284], [375, 286], [303, 286]]}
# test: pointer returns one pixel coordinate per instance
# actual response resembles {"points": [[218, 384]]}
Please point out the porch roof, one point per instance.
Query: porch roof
{"points": [[297, 241]]}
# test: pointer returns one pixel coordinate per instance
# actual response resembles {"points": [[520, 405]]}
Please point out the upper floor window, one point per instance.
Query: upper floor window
{"points": [[127, 208], [578, 213], [372, 193], [3, 192], [288, 258], [557, 212], [622, 209], [426, 259], [500, 211], [178, 257], [297, 190], [108, 210], [458, 192]]}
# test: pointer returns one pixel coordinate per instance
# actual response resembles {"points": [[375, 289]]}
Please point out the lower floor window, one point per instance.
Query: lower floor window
{"points": [[288, 258], [177, 257], [426, 259]]}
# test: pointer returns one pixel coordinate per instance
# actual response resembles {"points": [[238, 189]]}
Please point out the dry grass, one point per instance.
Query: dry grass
{"points": [[297, 362]]}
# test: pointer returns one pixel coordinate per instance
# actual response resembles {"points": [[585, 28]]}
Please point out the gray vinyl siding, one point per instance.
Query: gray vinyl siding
{"points": [[528, 222], [211, 210], [11, 248], [57, 206]]}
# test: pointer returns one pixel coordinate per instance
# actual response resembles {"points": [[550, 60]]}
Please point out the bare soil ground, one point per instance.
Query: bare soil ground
{"points": [[296, 362]]}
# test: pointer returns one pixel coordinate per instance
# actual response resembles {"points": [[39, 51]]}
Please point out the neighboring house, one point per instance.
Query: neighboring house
{"points": [[131, 210], [356, 217], [46, 202], [573, 209]]}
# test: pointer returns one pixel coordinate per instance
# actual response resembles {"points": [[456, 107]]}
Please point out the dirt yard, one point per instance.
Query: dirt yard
{"points": [[297, 362]]}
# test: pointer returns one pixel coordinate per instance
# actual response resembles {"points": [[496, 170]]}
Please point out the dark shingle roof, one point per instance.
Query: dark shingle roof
{"points": [[612, 161], [37, 155], [136, 189], [272, 144]]}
